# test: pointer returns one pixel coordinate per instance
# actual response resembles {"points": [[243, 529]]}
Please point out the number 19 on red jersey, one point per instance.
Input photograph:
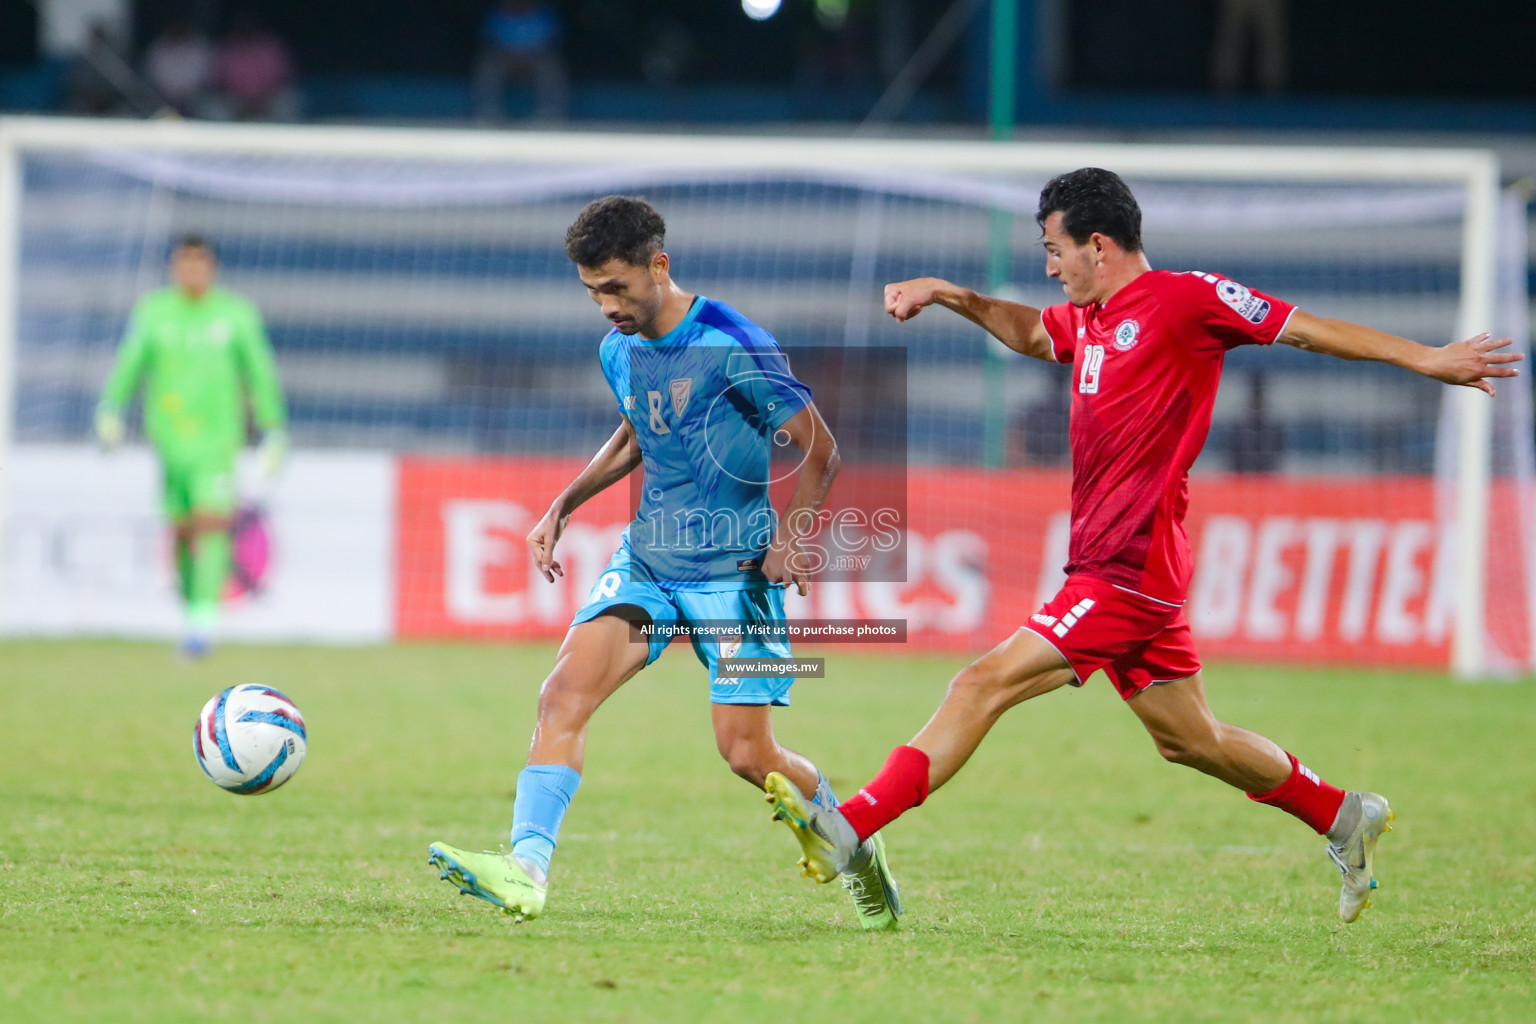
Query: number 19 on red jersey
{"points": [[1093, 365]]}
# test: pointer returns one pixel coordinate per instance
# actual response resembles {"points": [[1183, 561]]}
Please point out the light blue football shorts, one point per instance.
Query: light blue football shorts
{"points": [[618, 585]]}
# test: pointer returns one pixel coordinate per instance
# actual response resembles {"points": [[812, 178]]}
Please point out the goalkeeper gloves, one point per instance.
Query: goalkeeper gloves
{"points": [[109, 428], [269, 457]]}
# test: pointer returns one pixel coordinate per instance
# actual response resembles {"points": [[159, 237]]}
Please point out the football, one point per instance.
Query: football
{"points": [[249, 739]]}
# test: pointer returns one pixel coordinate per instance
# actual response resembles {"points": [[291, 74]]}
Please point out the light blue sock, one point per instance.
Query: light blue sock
{"points": [[544, 791], [823, 797]]}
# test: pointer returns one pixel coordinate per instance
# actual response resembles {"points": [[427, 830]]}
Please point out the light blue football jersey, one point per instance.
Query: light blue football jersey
{"points": [[705, 401]]}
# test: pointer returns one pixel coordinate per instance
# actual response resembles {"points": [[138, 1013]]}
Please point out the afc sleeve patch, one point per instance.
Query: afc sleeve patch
{"points": [[1247, 305]]}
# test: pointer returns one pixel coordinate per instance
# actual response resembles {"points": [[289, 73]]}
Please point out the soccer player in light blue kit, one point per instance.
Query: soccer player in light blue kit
{"points": [[704, 395]]}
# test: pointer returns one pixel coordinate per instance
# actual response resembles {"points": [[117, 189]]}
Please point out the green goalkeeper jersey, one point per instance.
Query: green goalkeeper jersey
{"points": [[197, 360]]}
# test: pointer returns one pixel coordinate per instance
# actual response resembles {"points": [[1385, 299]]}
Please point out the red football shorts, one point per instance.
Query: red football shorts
{"points": [[1136, 640]]}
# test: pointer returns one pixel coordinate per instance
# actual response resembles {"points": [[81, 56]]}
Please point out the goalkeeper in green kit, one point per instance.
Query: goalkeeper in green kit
{"points": [[198, 350]]}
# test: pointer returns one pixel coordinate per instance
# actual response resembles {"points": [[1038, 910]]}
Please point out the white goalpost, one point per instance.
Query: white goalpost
{"points": [[408, 274]]}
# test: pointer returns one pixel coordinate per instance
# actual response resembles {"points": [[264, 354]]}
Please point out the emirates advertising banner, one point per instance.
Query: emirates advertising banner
{"points": [[1287, 569], [360, 547]]}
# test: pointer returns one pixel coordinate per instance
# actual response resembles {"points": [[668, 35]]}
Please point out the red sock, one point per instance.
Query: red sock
{"points": [[901, 785], [1306, 796]]}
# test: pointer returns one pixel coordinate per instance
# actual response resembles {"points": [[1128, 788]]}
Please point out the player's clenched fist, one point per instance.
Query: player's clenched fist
{"points": [[905, 299], [541, 543]]}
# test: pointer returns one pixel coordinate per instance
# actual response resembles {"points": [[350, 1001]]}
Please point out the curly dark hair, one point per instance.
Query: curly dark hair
{"points": [[1091, 200], [615, 227]]}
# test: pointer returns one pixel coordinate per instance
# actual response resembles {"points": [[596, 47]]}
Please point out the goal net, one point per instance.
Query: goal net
{"points": [[438, 357]]}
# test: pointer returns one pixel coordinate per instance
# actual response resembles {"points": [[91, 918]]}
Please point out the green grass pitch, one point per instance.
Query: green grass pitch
{"points": [[1066, 874]]}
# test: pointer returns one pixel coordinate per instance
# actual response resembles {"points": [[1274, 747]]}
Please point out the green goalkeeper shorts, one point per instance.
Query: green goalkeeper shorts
{"points": [[198, 484]]}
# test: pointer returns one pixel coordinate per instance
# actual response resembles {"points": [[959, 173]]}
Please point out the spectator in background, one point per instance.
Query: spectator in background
{"points": [[837, 50], [179, 64], [254, 73], [667, 52], [94, 86], [1258, 442], [1239, 22], [520, 42]]}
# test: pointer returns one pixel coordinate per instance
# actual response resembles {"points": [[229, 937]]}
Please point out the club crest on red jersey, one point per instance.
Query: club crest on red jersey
{"points": [[1127, 335]]}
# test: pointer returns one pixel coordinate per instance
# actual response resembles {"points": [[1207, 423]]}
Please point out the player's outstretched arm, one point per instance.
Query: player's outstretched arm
{"points": [[615, 460], [786, 561], [1471, 362], [1014, 324]]}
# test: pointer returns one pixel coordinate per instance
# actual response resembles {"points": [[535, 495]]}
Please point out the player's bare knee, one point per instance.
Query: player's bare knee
{"points": [[748, 756], [1172, 750], [564, 703], [1196, 752], [751, 769], [978, 684], [993, 689]]}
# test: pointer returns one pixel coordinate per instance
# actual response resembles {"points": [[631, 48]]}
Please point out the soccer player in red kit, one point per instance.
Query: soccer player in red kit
{"points": [[1146, 348]]}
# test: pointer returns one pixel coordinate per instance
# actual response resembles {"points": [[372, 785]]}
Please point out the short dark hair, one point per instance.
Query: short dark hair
{"points": [[193, 240], [1091, 200], [615, 227]]}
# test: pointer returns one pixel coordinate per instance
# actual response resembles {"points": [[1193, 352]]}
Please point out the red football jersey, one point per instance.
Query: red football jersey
{"points": [[1145, 366]]}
